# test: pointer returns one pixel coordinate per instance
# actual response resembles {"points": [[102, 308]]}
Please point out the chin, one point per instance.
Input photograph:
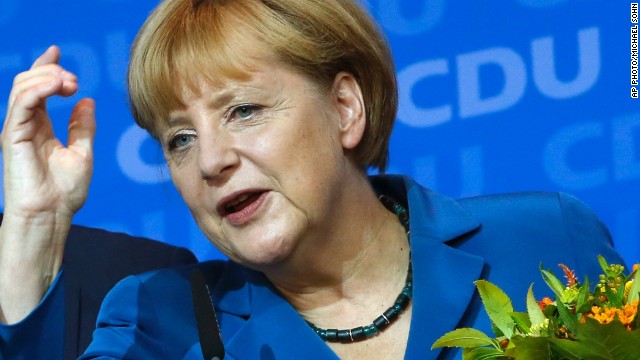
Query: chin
{"points": [[265, 253]]}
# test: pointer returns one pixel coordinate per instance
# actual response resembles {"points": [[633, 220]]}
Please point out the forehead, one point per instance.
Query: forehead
{"points": [[266, 81], [193, 75]]}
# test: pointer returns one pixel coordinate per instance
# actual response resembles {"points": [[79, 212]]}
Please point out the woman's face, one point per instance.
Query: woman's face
{"points": [[259, 161]]}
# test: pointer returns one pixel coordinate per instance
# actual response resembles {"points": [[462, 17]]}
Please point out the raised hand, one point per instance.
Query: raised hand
{"points": [[41, 175], [45, 183]]}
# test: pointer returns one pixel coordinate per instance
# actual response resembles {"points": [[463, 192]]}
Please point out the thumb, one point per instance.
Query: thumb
{"points": [[82, 126]]}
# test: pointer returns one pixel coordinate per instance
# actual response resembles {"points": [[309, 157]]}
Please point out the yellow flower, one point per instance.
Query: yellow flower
{"points": [[626, 314], [603, 316]]}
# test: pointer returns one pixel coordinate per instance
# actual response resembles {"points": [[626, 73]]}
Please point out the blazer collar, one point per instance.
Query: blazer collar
{"points": [[269, 319], [443, 275], [443, 285]]}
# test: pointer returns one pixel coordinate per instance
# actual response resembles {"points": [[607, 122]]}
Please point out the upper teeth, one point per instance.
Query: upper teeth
{"points": [[240, 199]]}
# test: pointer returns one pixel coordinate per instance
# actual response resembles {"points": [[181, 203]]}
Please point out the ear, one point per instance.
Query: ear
{"points": [[350, 104]]}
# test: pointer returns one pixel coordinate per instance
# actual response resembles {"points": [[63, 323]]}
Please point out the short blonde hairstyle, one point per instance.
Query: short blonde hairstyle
{"points": [[186, 40]]}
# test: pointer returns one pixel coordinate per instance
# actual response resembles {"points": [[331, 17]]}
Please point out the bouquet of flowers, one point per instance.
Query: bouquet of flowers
{"points": [[583, 322]]}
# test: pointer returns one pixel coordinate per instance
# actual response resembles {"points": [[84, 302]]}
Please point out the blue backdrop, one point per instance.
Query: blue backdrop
{"points": [[495, 96]]}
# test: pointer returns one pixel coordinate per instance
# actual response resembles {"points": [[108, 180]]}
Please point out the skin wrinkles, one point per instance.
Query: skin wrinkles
{"points": [[263, 103], [276, 105], [371, 248]]}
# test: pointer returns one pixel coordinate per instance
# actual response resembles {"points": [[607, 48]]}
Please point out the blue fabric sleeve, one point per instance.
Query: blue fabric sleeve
{"points": [[125, 314], [41, 334], [147, 316]]}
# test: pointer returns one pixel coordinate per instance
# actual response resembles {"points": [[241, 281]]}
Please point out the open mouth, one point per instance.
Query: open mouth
{"points": [[239, 202]]}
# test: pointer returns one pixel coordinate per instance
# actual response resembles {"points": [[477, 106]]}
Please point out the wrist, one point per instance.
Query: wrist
{"points": [[31, 252], [33, 246]]}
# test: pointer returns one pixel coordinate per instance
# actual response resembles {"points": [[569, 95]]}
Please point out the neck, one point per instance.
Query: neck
{"points": [[355, 268]]}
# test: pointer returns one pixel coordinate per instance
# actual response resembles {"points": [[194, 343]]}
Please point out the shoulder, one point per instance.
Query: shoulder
{"points": [[549, 227], [168, 288], [157, 282], [537, 206], [133, 319], [523, 201], [130, 254], [155, 296], [548, 212]]}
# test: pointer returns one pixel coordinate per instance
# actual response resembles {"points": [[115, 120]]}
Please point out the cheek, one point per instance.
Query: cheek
{"points": [[185, 182]]}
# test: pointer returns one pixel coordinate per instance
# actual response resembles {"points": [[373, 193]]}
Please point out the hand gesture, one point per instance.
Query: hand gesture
{"points": [[41, 175], [45, 183]]}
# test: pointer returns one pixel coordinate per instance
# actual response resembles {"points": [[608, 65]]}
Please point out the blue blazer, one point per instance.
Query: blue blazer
{"points": [[501, 238], [94, 261]]}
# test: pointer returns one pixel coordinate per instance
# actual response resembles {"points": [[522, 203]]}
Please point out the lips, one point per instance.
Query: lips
{"points": [[239, 207]]}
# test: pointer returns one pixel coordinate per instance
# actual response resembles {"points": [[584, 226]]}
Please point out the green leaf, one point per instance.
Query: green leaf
{"points": [[612, 339], [571, 349], [522, 321], [483, 354], [568, 319], [533, 309], [635, 289], [582, 303], [613, 297], [556, 285], [530, 348], [464, 338], [497, 305], [497, 332], [550, 311], [603, 264]]}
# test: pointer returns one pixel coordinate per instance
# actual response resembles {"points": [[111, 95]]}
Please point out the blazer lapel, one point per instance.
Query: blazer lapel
{"points": [[443, 275], [272, 330]]}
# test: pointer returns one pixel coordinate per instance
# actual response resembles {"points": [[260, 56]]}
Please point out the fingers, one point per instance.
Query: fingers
{"points": [[44, 66], [82, 126], [32, 88], [27, 110], [50, 56], [38, 76]]}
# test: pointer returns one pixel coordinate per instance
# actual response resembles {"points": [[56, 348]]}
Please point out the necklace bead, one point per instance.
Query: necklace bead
{"points": [[383, 321]]}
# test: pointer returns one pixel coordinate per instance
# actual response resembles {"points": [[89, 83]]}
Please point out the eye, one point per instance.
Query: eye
{"points": [[243, 112], [181, 139]]}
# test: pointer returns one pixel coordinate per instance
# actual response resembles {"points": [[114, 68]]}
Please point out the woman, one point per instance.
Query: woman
{"points": [[270, 113]]}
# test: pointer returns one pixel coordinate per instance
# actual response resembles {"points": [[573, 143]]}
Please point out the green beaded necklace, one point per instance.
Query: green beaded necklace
{"points": [[361, 333]]}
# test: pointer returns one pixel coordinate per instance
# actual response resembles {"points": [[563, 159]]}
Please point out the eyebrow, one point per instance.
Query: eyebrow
{"points": [[222, 99], [217, 102]]}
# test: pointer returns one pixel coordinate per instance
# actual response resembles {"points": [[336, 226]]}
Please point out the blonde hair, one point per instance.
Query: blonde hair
{"points": [[183, 41]]}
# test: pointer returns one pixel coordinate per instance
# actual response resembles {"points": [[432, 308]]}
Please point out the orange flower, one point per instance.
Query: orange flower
{"points": [[603, 316], [544, 302], [626, 314]]}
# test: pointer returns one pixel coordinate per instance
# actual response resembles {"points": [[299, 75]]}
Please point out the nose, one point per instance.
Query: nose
{"points": [[217, 157]]}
